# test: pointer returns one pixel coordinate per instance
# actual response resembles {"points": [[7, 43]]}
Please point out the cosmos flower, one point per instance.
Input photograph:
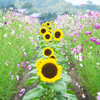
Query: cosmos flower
{"points": [[22, 91]]}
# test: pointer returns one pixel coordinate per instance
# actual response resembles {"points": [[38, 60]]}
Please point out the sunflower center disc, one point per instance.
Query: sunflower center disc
{"points": [[48, 24], [47, 52], [47, 36], [52, 57], [49, 70], [43, 30], [57, 34]]}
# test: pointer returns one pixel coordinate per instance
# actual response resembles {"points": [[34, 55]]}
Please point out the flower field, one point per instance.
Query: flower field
{"points": [[69, 39], [17, 42]]}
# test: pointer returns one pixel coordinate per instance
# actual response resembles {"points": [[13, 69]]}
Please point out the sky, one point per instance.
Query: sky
{"points": [[78, 2]]}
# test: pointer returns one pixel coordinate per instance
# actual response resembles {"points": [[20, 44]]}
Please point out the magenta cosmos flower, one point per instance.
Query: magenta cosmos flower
{"points": [[88, 32], [21, 92], [90, 13], [23, 65]]}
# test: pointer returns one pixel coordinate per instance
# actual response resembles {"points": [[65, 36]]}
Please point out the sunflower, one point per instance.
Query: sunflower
{"points": [[50, 29], [51, 21], [43, 30], [47, 51], [48, 23], [49, 71], [58, 34], [47, 36], [43, 24], [39, 62], [53, 56]]}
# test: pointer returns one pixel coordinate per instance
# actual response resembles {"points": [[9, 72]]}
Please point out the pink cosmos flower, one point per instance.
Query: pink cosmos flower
{"points": [[77, 62], [82, 45], [29, 67], [17, 77], [88, 32], [23, 50], [74, 40], [27, 62], [87, 41], [70, 44], [95, 15], [10, 73], [97, 52], [12, 77], [22, 92], [83, 57], [11, 8], [5, 22], [25, 54], [83, 5], [81, 50], [90, 13], [23, 65], [18, 65], [97, 26], [98, 96]]}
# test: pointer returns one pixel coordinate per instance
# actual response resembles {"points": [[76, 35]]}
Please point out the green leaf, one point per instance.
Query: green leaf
{"points": [[64, 64], [32, 80], [66, 78], [33, 71], [43, 84], [69, 86], [70, 92], [34, 93], [59, 97], [59, 85], [55, 99], [33, 65], [34, 52], [69, 96]]}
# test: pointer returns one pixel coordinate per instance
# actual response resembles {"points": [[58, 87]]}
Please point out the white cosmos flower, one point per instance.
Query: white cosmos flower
{"points": [[1, 24], [81, 65], [13, 32], [75, 56], [20, 25], [3, 18], [9, 43], [80, 59], [87, 10], [90, 47], [97, 63], [5, 35], [83, 96]]}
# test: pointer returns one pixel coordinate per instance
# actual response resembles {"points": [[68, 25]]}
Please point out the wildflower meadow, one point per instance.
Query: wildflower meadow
{"points": [[55, 45]]}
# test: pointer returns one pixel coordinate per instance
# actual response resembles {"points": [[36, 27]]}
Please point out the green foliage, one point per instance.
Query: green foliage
{"points": [[48, 16], [66, 12], [34, 93], [27, 5], [33, 10], [10, 5], [1, 7]]}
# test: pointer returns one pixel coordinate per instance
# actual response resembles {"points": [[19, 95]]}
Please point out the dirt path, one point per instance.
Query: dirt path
{"points": [[79, 91]]}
